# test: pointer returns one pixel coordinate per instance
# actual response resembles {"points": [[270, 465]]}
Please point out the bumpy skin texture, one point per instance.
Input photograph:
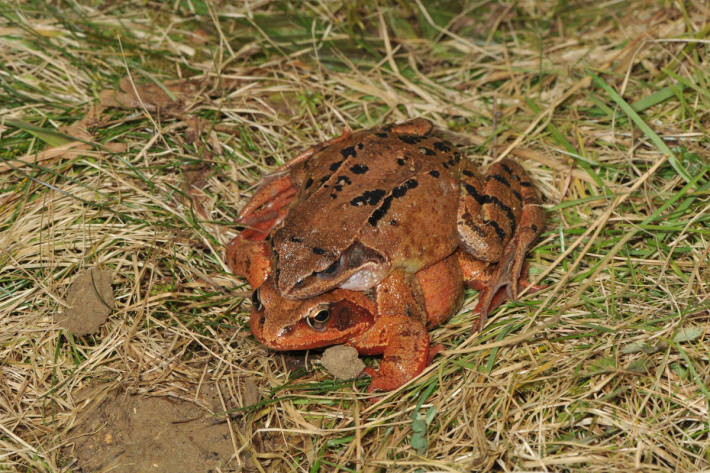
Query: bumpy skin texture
{"points": [[382, 211]]}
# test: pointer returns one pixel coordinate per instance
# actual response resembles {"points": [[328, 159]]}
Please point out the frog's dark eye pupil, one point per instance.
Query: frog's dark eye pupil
{"points": [[319, 320], [332, 268], [256, 301]]}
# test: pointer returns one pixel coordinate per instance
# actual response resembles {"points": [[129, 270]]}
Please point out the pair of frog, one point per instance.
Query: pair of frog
{"points": [[368, 239]]}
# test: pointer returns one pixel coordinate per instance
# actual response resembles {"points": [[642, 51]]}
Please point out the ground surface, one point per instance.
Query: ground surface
{"points": [[131, 133]]}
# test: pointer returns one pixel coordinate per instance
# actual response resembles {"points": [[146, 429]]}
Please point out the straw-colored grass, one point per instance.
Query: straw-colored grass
{"points": [[605, 104]]}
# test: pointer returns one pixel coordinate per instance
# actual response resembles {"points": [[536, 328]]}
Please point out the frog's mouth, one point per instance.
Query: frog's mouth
{"points": [[358, 268]]}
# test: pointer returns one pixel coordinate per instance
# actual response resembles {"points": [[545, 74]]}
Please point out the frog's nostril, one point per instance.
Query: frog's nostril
{"points": [[287, 330]]}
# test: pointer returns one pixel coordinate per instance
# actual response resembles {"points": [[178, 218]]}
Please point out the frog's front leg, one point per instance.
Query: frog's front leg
{"points": [[267, 208], [499, 216], [249, 259], [248, 254], [407, 305], [404, 344]]}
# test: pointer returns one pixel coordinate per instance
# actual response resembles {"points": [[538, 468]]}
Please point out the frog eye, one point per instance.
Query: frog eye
{"points": [[256, 301], [319, 320], [330, 270]]}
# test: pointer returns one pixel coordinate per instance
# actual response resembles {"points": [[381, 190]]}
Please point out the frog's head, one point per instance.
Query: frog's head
{"points": [[329, 319], [305, 269]]}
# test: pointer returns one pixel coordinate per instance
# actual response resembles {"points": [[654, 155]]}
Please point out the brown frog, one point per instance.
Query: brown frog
{"points": [[374, 211], [349, 211]]}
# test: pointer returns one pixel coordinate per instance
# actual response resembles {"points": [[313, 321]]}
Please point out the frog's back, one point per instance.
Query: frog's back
{"points": [[394, 193]]}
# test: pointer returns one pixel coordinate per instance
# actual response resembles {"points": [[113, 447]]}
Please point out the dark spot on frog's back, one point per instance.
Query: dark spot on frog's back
{"points": [[368, 197], [349, 151], [401, 162], [309, 182], [400, 191], [397, 192], [381, 134], [295, 239], [434, 173], [318, 251], [410, 139], [426, 151], [334, 166], [359, 169], [442, 146]]}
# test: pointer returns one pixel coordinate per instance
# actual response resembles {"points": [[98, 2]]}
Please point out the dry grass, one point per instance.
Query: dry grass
{"points": [[606, 104]]}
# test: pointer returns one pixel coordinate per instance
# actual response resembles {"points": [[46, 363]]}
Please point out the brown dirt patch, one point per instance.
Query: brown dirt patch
{"points": [[132, 433]]}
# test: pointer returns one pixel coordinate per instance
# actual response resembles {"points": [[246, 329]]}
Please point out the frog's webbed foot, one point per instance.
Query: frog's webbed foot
{"points": [[510, 275]]}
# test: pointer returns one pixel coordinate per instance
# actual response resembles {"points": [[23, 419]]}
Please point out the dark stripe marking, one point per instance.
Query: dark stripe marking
{"points": [[494, 224], [471, 190], [494, 200], [334, 167], [498, 178], [397, 192]]}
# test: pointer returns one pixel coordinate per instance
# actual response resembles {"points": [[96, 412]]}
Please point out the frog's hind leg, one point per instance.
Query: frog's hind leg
{"points": [[487, 216]]}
